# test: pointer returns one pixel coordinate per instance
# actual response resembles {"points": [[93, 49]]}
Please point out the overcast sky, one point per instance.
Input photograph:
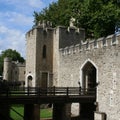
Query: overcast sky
{"points": [[16, 18]]}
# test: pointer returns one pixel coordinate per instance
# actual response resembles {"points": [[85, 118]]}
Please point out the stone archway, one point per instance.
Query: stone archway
{"points": [[88, 74], [89, 78], [29, 78]]}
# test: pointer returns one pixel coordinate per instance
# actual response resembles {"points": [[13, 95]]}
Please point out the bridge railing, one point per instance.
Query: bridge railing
{"points": [[49, 91]]}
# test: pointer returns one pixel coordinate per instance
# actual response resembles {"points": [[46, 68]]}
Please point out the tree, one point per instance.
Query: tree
{"points": [[98, 17], [13, 54], [59, 13]]}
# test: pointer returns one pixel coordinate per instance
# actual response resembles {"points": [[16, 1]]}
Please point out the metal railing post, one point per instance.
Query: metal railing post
{"points": [[28, 90], [54, 90], [79, 90], [67, 91]]}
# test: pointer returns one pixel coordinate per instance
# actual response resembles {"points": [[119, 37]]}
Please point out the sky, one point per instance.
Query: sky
{"points": [[16, 18]]}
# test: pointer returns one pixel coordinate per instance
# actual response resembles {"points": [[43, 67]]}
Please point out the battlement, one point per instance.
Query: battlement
{"points": [[18, 64], [7, 59], [71, 29], [110, 40], [43, 25], [71, 34]]}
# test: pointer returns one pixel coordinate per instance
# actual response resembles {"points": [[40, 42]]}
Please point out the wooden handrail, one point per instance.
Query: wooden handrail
{"points": [[53, 91]]}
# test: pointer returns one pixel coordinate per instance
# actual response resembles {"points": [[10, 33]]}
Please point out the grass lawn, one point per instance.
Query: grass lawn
{"points": [[19, 109], [44, 113]]}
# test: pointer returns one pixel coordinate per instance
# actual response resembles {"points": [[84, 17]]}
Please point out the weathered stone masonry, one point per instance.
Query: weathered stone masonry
{"points": [[58, 57], [105, 56]]}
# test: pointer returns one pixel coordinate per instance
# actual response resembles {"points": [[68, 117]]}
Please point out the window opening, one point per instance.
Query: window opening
{"points": [[44, 51]]}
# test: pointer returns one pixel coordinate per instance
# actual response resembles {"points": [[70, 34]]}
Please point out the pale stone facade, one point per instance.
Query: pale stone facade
{"points": [[14, 71], [68, 61], [43, 44], [106, 59], [59, 57]]}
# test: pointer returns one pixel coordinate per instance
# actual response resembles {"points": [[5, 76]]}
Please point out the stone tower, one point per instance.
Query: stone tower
{"points": [[40, 53], [43, 44], [7, 73], [14, 71]]}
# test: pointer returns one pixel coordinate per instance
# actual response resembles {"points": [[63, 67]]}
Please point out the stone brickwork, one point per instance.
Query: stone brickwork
{"points": [[14, 71], [45, 40], [100, 116], [59, 57], [104, 55], [39, 59]]}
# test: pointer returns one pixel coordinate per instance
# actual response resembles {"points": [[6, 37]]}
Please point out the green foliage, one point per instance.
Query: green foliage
{"points": [[59, 13], [98, 17], [12, 54]]}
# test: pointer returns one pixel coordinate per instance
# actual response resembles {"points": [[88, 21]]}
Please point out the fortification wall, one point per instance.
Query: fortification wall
{"points": [[31, 55], [70, 36], [104, 54], [13, 71], [39, 62], [21, 72]]}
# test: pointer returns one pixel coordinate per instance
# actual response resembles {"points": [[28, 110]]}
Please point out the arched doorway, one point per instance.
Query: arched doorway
{"points": [[89, 76], [30, 78], [88, 81]]}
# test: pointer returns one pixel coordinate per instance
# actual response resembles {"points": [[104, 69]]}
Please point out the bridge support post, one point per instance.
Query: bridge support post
{"points": [[86, 113], [61, 111], [4, 111], [31, 112]]}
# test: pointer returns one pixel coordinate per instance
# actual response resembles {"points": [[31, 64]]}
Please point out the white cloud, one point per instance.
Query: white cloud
{"points": [[27, 5], [13, 39], [16, 18], [20, 19], [36, 3]]}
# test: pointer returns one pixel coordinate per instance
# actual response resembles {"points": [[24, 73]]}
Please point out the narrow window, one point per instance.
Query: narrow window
{"points": [[44, 51]]}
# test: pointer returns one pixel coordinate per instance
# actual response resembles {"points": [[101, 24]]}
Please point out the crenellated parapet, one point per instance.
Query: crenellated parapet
{"points": [[43, 25], [30, 33], [67, 35], [88, 45]]}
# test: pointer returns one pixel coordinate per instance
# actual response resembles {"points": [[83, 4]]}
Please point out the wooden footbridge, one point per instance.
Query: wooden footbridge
{"points": [[37, 95], [32, 97]]}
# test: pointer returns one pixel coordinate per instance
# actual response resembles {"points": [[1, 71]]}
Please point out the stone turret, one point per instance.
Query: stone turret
{"points": [[14, 71], [7, 75]]}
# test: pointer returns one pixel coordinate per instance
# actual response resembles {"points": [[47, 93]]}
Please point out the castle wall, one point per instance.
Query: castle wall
{"points": [[56, 56], [44, 64], [59, 57], [21, 72], [43, 43], [14, 71], [31, 56], [64, 37], [104, 54], [70, 36], [39, 62]]}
